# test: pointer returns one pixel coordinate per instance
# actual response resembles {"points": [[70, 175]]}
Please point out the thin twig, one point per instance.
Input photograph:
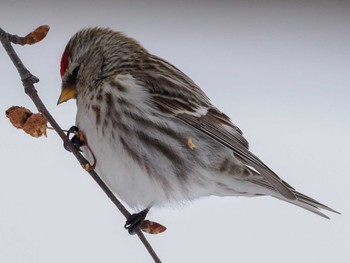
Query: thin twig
{"points": [[28, 81]]}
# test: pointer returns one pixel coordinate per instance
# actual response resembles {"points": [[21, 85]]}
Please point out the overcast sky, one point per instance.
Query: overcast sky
{"points": [[279, 69]]}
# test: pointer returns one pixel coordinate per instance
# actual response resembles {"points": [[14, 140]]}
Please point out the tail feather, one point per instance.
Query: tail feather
{"points": [[301, 200], [309, 204], [308, 200]]}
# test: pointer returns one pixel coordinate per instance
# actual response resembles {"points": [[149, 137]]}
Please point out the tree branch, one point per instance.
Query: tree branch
{"points": [[28, 81]]}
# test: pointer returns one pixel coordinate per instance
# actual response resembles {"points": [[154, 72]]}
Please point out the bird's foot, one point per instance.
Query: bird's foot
{"points": [[135, 221], [79, 140], [76, 140]]}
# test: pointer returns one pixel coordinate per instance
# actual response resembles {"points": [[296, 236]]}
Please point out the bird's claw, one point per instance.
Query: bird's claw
{"points": [[135, 221], [75, 139]]}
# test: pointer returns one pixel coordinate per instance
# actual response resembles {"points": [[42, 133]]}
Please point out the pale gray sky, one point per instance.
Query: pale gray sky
{"points": [[279, 69]]}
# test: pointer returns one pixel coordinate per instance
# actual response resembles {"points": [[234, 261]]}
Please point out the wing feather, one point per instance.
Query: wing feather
{"points": [[233, 141], [177, 95]]}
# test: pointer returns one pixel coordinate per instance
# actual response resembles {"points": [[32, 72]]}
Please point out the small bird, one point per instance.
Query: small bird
{"points": [[156, 137]]}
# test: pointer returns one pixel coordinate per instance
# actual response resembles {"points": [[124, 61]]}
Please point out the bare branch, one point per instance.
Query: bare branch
{"points": [[28, 81]]}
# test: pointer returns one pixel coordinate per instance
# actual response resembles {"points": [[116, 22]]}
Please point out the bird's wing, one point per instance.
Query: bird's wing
{"points": [[177, 95], [215, 128]]}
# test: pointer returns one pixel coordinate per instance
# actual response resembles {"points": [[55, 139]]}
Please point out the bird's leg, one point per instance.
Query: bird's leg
{"points": [[75, 139], [135, 221]]}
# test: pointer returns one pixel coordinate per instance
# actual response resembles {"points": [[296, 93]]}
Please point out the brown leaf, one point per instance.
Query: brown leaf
{"points": [[18, 116], [152, 227], [34, 124], [35, 36]]}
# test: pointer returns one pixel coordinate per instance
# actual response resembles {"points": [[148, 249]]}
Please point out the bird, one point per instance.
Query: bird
{"points": [[156, 137]]}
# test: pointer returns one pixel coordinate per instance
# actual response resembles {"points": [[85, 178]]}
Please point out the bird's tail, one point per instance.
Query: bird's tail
{"points": [[300, 199], [308, 203]]}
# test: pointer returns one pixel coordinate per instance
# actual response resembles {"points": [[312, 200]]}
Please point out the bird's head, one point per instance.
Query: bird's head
{"points": [[93, 55]]}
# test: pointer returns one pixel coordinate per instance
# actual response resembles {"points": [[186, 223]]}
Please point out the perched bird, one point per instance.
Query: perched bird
{"points": [[156, 136]]}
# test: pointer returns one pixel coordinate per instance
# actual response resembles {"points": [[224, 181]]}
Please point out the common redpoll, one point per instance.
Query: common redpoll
{"points": [[156, 136]]}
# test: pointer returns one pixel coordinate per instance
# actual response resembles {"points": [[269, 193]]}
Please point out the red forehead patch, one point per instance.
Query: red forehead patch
{"points": [[64, 62]]}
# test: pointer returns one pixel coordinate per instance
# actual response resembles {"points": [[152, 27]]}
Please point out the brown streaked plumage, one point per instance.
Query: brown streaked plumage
{"points": [[138, 113]]}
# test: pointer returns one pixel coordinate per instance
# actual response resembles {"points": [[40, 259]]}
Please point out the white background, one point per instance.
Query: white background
{"points": [[279, 69]]}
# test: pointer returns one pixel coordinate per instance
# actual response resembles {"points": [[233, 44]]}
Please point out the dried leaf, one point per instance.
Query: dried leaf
{"points": [[34, 124], [152, 227], [18, 116], [35, 36]]}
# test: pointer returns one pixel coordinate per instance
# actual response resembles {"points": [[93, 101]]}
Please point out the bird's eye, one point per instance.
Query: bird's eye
{"points": [[75, 72]]}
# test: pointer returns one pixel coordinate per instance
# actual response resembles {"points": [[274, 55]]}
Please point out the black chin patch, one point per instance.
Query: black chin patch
{"points": [[72, 78]]}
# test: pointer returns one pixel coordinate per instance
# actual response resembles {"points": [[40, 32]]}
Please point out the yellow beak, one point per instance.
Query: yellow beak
{"points": [[67, 93]]}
